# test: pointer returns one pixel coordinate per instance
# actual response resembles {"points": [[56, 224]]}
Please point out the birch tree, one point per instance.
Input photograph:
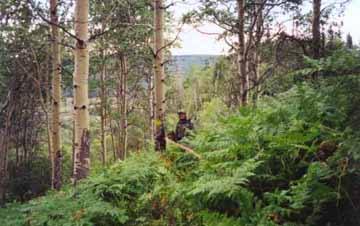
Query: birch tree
{"points": [[243, 76], [56, 97], [159, 76], [81, 99]]}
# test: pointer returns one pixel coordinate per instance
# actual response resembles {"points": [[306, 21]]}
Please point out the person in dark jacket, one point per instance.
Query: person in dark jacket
{"points": [[183, 125]]}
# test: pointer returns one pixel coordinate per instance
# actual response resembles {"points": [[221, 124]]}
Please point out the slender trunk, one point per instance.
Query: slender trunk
{"points": [[73, 146], [4, 139], [122, 107], [251, 70], [49, 144], [47, 102], [119, 110], [258, 36], [123, 115], [151, 106], [49, 135], [159, 77], [16, 153], [241, 54], [81, 99], [103, 100], [113, 140], [56, 98], [3, 170], [316, 28], [24, 141]]}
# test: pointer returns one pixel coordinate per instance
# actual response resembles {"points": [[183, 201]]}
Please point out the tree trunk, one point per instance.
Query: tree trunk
{"points": [[120, 153], [3, 170], [56, 98], [73, 146], [103, 104], [122, 107], [251, 69], [47, 102], [150, 94], [4, 134], [123, 115], [316, 28], [81, 99], [113, 131], [159, 77], [258, 37], [241, 54]]}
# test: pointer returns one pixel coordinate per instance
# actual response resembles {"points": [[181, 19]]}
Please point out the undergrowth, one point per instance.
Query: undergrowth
{"points": [[291, 160]]}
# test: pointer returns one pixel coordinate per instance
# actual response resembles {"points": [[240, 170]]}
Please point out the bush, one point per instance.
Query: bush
{"points": [[292, 160], [29, 179]]}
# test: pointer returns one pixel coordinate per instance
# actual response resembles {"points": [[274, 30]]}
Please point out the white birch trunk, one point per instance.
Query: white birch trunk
{"points": [[159, 78], [56, 97], [81, 99]]}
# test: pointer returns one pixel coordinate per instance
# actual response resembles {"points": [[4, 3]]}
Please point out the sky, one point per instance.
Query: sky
{"points": [[194, 42]]}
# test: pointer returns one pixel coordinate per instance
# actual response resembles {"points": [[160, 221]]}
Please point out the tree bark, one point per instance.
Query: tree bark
{"points": [[113, 131], [159, 77], [81, 99], [151, 105], [122, 107], [316, 35], [241, 54], [123, 116], [3, 168], [258, 37], [47, 102], [4, 135], [56, 98], [119, 154], [73, 146], [103, 115]]}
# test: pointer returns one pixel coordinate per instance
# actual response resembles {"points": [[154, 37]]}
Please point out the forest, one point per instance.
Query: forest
{"points": [[102, 125]]}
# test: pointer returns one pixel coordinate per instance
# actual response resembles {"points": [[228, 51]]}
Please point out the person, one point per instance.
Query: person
{"points": [[183, 125]]}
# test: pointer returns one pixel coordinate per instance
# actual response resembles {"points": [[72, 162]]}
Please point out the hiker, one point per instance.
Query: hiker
{"points": [[183, 125]]}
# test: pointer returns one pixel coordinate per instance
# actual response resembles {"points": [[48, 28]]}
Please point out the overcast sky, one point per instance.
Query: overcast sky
{"points": [[193, 42]]}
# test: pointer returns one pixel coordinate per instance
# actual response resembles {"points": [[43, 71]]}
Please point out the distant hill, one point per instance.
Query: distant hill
{"points": [[183, 63]]}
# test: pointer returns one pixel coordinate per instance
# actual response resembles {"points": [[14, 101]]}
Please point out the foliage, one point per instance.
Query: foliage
{"points": [[342, 62], [291, 159], [28, 179], [89, 203], [261, 166]]}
